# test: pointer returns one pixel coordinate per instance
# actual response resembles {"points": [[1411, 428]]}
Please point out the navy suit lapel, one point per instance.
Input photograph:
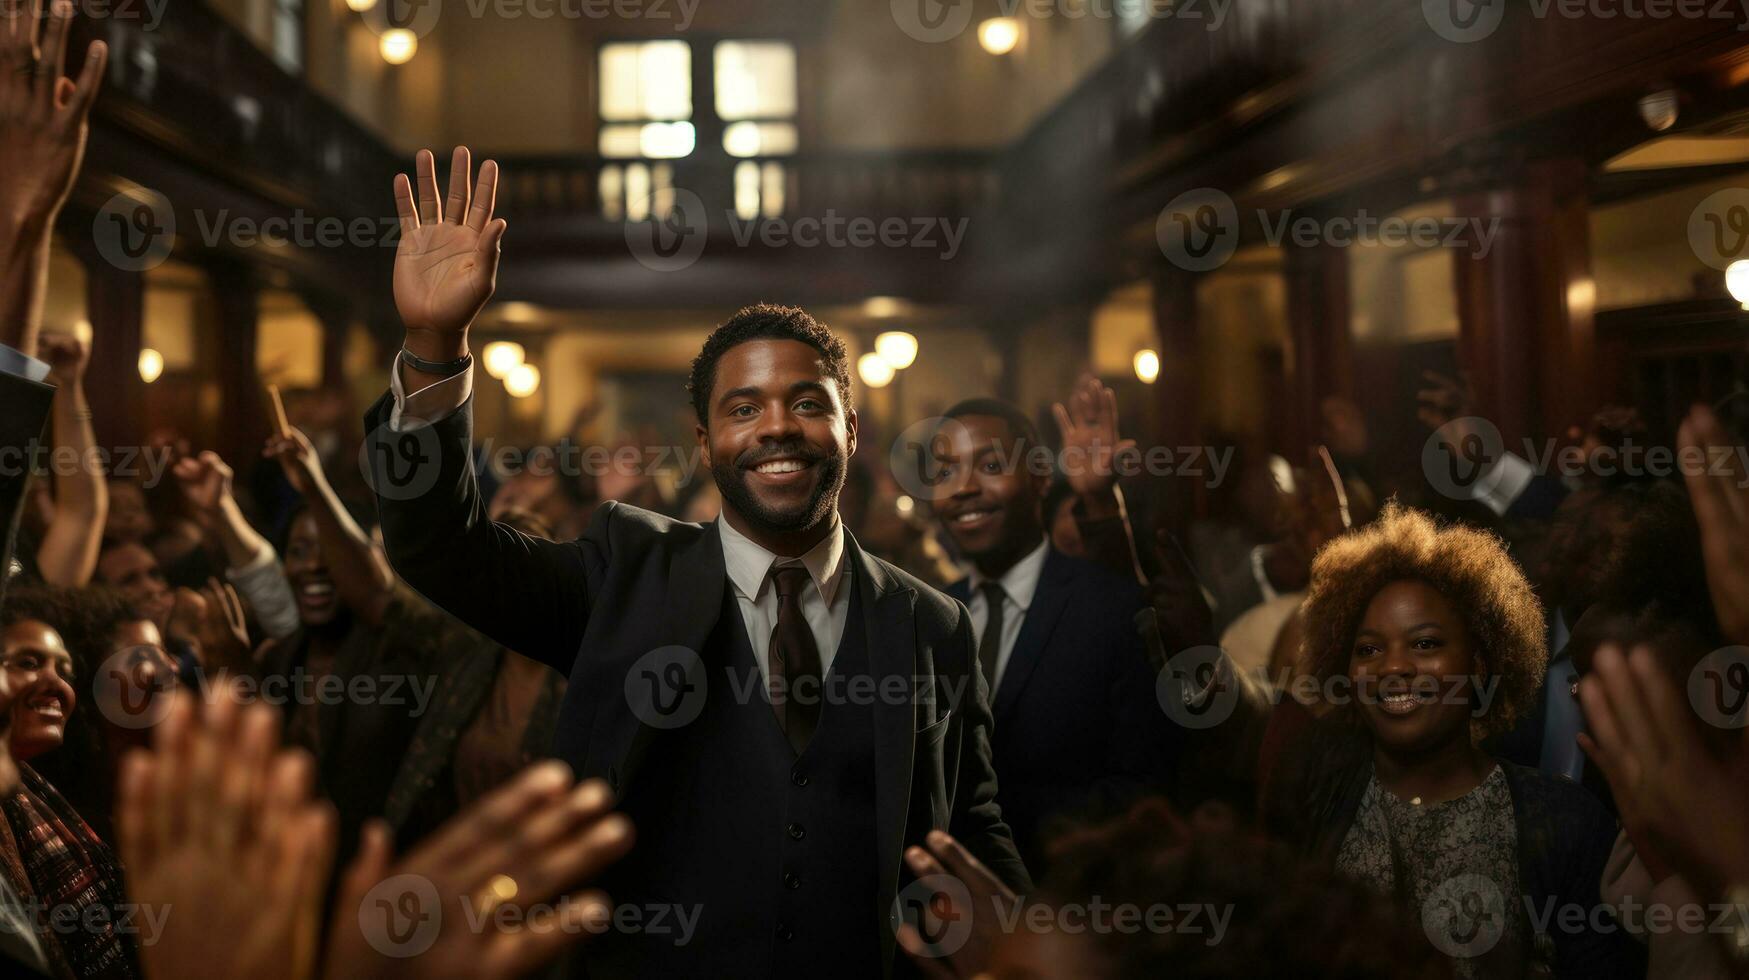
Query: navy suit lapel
{"points": [[694, 602], [890, 625], [1048, 603]]}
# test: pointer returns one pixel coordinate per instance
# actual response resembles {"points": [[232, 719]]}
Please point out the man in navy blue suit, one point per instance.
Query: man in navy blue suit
{"points": [[1078, 728]]}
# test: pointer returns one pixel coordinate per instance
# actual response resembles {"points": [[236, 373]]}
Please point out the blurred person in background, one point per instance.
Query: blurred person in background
{"points": [[1077, 726]]}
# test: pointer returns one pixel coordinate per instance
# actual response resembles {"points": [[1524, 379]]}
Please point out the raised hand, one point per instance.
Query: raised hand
{"points": [[42, 114], [67, 357], [447, 263], [494, 872], [1674, 793], [965, 880], [212, 622], [219, 828], [297, 457], [1721, 506], [205, 481], [1089, 427]]}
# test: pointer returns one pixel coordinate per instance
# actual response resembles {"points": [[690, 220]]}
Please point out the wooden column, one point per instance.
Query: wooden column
{"points": [[1526, 302], [243, 409], [1321, 360], [115, 302], [1178, 390]]}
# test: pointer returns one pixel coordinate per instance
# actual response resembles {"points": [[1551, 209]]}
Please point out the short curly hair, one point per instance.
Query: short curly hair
{"points": [[765, 321], [1470, 568]]}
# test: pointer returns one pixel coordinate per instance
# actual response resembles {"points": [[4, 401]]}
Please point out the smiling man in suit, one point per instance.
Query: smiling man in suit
{"points": [[780, 713], [1078, 726]]}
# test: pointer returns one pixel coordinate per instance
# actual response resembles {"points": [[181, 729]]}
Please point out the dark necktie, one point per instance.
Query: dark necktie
{"points": [[795, 660], [990, 645]]}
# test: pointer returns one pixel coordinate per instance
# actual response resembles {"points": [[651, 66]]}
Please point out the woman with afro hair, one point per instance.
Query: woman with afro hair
{"points": [[1424, 641]]}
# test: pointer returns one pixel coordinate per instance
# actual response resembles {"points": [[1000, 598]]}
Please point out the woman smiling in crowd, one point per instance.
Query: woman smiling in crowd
{"points": [[1431, 640]]}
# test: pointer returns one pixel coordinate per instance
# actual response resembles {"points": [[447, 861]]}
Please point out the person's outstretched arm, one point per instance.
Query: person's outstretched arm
{"points": [[529, 594], [67, 556]]}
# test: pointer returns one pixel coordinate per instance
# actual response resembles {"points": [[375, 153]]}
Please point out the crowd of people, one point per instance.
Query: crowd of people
{"points": [[312, 722]]}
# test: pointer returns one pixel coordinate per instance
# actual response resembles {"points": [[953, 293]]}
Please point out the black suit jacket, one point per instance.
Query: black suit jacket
{"points": [[24, 410], [636, 582], [1078, 724]]}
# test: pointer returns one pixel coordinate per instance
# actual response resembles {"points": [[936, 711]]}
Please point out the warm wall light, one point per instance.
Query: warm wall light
{"points": [[874, 370], [897, 348], [522, 381], [502, 357], [881, 307], [360, 6], [1737, 281], [999, 35], [398, 45], [1147, 366], [151, 365]]}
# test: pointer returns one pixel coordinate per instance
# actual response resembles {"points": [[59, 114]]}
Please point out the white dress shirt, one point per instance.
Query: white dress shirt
{"points": [[16, 362], [429, 404], [1019, 584], [826, 606]]}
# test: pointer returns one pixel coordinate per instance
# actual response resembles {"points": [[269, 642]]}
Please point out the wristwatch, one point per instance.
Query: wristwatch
{"points": [[447, 369]]}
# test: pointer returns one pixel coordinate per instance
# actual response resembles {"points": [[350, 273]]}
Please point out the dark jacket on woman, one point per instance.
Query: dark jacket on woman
{"points": [[1564, 841]]}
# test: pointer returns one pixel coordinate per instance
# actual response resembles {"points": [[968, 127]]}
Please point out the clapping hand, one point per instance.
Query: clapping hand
{"points": [[501, 877], [1721, 506], [968, 892]]}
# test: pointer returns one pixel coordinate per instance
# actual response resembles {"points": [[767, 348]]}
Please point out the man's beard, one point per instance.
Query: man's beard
{"points": [[731, 477]]}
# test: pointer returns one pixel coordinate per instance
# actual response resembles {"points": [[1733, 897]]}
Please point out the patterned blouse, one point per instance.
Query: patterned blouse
{"points": [[1453, 865]]}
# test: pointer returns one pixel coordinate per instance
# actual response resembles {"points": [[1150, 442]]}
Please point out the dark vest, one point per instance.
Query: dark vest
{"points": [[773, 854]]}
